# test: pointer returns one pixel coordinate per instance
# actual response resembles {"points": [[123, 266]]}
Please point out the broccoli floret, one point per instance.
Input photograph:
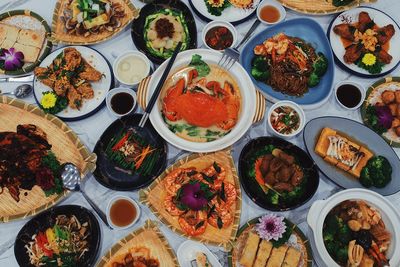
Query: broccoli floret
{"points": [[365, 178], [273, 197], [342, 254], [377, 172], [320, 65], [260, 63], [332, 247], [344, 234], [313, 80], [260, 75]]}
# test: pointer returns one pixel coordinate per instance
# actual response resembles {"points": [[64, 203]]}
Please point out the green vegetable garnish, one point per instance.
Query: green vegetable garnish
{"points": [[202, 68], [217, 11], [377, 172]]}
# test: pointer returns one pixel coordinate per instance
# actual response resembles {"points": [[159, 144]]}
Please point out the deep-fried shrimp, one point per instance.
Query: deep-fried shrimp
{"points": [[170, 206], [193, 223]]}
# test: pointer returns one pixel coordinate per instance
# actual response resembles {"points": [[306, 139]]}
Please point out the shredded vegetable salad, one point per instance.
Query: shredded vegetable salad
{"points": [[62, 245]]}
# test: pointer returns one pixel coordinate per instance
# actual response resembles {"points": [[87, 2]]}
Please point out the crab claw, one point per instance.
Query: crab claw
{"points": [[232, 105], [169, 107]]}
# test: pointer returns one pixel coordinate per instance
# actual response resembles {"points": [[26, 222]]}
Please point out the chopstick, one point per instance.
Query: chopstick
{"points": [[160, 84]]}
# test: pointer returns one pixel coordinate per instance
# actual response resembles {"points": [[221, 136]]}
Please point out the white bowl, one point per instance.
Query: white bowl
{"points": [[115, 91], [187, 252], [115, 198], [320, 209], [275, 4], [360, 87], [216, 23], [294, 106], [247, 91], [138, 55]]}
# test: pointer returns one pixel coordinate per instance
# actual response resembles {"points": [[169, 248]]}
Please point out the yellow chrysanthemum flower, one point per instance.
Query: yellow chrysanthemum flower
{"points": [[48, 100], [216, 3], [369, 59]]}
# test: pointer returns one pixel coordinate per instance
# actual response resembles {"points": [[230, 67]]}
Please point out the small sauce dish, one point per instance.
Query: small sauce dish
{"points": [[349, 95], [121, 101], [271, 12], [218, 35], [131, 67], [286, 119], [122, 212]]}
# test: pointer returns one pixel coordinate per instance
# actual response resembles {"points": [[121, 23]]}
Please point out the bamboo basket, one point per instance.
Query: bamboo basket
{"points": [[154, 195], [148, 236], [320, 7], [61, 36], [65, 144]]}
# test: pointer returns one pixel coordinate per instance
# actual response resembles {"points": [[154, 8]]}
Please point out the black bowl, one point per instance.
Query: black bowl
{"points": [[252, 188], [138, 25], [114, 178], [46, 219]]}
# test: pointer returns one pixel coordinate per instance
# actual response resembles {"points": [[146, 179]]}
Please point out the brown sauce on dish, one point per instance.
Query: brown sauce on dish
{"points": [[349, 95], [270, 14], [122, 212], [219, 38], [122, 103]]}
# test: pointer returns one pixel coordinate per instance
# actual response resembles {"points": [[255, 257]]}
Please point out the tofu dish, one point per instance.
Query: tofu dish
{"points": [[70, 77]]}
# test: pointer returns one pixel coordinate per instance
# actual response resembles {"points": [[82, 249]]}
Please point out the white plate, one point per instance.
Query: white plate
{"points": [[247, 91], [89, 107], [381, 19], [187, 252], [231, 14]]}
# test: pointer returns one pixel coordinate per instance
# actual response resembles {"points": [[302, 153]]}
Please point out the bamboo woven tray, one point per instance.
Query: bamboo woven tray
{"points": [[65, 145], [148, 236], [243, 233], [61, 36], [260, 100], [154, 195], [320, 7]]}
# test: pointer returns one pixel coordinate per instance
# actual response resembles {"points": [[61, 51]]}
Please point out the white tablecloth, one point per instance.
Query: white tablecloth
{"points": [[90, 129]]}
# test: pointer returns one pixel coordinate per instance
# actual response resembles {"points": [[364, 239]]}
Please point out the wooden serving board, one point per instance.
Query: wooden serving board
{"points": [[320, 7], [61, 36], [148, 236], [65, 144], [155, 194]]}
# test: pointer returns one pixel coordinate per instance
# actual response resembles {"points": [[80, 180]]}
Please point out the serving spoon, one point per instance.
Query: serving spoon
{"points": [[71, 178], [21, 91]]}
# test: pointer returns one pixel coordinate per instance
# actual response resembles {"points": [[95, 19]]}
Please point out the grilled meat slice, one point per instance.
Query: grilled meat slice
{"points": [[345, 31], [35, 134], [353, 52], [384, 56], [385, 34], [364, 22]]}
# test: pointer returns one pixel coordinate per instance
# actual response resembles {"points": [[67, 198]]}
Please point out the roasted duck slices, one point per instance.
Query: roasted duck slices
{"points": [[26, 160]]}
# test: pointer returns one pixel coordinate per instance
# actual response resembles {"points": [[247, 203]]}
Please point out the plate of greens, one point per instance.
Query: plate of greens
{"points": [[161, 26], [233, 11], [276, 174]]}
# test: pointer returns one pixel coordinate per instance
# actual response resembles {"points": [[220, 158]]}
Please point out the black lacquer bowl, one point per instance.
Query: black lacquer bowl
{"points": [[149, 9], [109, 174], [253, 189], [46, 219]]}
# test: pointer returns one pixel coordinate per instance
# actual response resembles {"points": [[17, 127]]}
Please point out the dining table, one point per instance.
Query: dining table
{"points": [[90, 129]]}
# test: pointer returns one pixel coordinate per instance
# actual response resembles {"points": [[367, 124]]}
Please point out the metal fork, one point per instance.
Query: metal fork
{"points": [[231, 55]]}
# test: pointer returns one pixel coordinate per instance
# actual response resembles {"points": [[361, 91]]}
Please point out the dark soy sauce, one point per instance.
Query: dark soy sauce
{"points": [[122, 103], [349, 95]]}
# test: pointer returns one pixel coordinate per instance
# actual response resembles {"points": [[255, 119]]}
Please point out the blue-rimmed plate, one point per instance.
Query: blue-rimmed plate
{"points": [[311, 32], [100, 88], [381, 19]]}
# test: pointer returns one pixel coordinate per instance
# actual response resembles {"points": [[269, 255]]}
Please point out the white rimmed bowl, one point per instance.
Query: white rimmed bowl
{"points": [[320, 209], [248, 105], [118, 197], [295, 107], [125, 54], [115, 91], [187, 252], [217, 23], [359, 87], [277, 5]]}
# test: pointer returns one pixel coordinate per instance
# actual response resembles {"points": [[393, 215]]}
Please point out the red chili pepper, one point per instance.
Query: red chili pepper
{"points": [[41, 240], [121, 142]]}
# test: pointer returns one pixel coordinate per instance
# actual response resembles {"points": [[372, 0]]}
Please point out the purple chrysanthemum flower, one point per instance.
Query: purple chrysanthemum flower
{"points": [[270, 227]]}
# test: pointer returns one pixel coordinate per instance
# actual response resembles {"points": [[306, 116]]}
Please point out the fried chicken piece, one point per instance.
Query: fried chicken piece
{"points": [[44, 75], [397, 131], [393, 109], [297, 177], [353, 52], [72, 58], [62, 86], [384, 57], [284, 174], [385, 34], [89, 73], [388, 97], [397, 95], [345, 30], [74, 98], [364, 22], [86, 90], [280, 187]]}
